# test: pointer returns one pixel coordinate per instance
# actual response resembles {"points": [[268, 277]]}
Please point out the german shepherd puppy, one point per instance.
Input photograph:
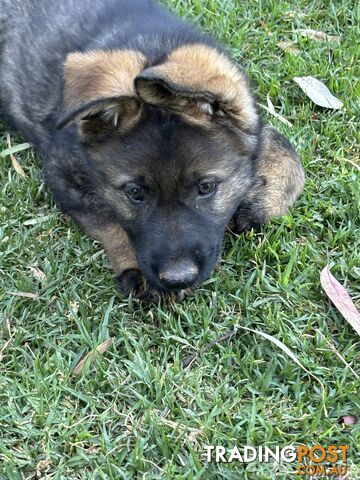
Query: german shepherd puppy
{"points": [[150, 135]]}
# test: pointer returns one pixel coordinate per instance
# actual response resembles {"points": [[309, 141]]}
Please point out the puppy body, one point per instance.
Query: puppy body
{"points": [[151, 138]]}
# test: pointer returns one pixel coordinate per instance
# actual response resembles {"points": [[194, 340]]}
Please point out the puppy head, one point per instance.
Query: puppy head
{"points": [[172, 148]]}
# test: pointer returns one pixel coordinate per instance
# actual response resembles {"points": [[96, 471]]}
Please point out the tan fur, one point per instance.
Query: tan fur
{"points": [[118, 248], [115, 242], [283, 173], [201, 69], [100, 74]]}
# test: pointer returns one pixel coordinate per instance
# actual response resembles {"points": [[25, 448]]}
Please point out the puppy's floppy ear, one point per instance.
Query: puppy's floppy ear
{"points": [[99, 90], [201, 82]]}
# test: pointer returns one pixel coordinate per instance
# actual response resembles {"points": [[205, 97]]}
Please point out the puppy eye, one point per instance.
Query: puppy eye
{"points": [[207, 188], [135, 193]]}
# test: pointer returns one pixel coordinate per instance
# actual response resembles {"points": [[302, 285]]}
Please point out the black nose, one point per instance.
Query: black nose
{"points": [[180, 274]]}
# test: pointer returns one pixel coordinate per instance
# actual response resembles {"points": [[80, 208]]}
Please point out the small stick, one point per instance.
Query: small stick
{"points": [[187, 361]]}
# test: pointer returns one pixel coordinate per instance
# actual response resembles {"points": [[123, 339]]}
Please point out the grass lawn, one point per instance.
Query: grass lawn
{"points": [[135, 412]]}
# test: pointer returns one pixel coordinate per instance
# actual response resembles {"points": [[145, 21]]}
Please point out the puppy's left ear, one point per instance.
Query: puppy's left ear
{"points": [[99, 91], [202, 83]]}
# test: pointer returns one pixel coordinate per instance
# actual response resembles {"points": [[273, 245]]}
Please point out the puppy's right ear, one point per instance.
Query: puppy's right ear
{"points": [[99, 91]]}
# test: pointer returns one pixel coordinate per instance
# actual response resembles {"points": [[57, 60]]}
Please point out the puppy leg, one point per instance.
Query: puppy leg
{"points": [[121, 255], [279, 180]]}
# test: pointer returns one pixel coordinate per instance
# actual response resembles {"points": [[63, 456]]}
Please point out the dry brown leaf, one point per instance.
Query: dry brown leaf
{"points": [[291, 14], [288, 47], [24, 294], [318, 35], [42, 467], [318, 92], [340, 298], [271, 109], [179, 426], [17, 167], [74, 306], [91, 356], [37, 273], [348, 160], [37, 220], [8, 335], [15, 149], [4, 347], [266, 28], [6, 328]]}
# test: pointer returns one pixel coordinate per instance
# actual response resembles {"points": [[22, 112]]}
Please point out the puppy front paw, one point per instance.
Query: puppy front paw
{"points": [[247, 217], [132, 282], [243, 224]]}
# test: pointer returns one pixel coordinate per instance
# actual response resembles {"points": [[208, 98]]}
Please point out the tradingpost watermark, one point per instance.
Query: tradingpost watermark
{"points": [[317, 460]]}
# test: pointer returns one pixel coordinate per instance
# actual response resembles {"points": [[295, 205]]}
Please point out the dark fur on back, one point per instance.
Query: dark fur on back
{"points": [[41, 33], [151, 138]]}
